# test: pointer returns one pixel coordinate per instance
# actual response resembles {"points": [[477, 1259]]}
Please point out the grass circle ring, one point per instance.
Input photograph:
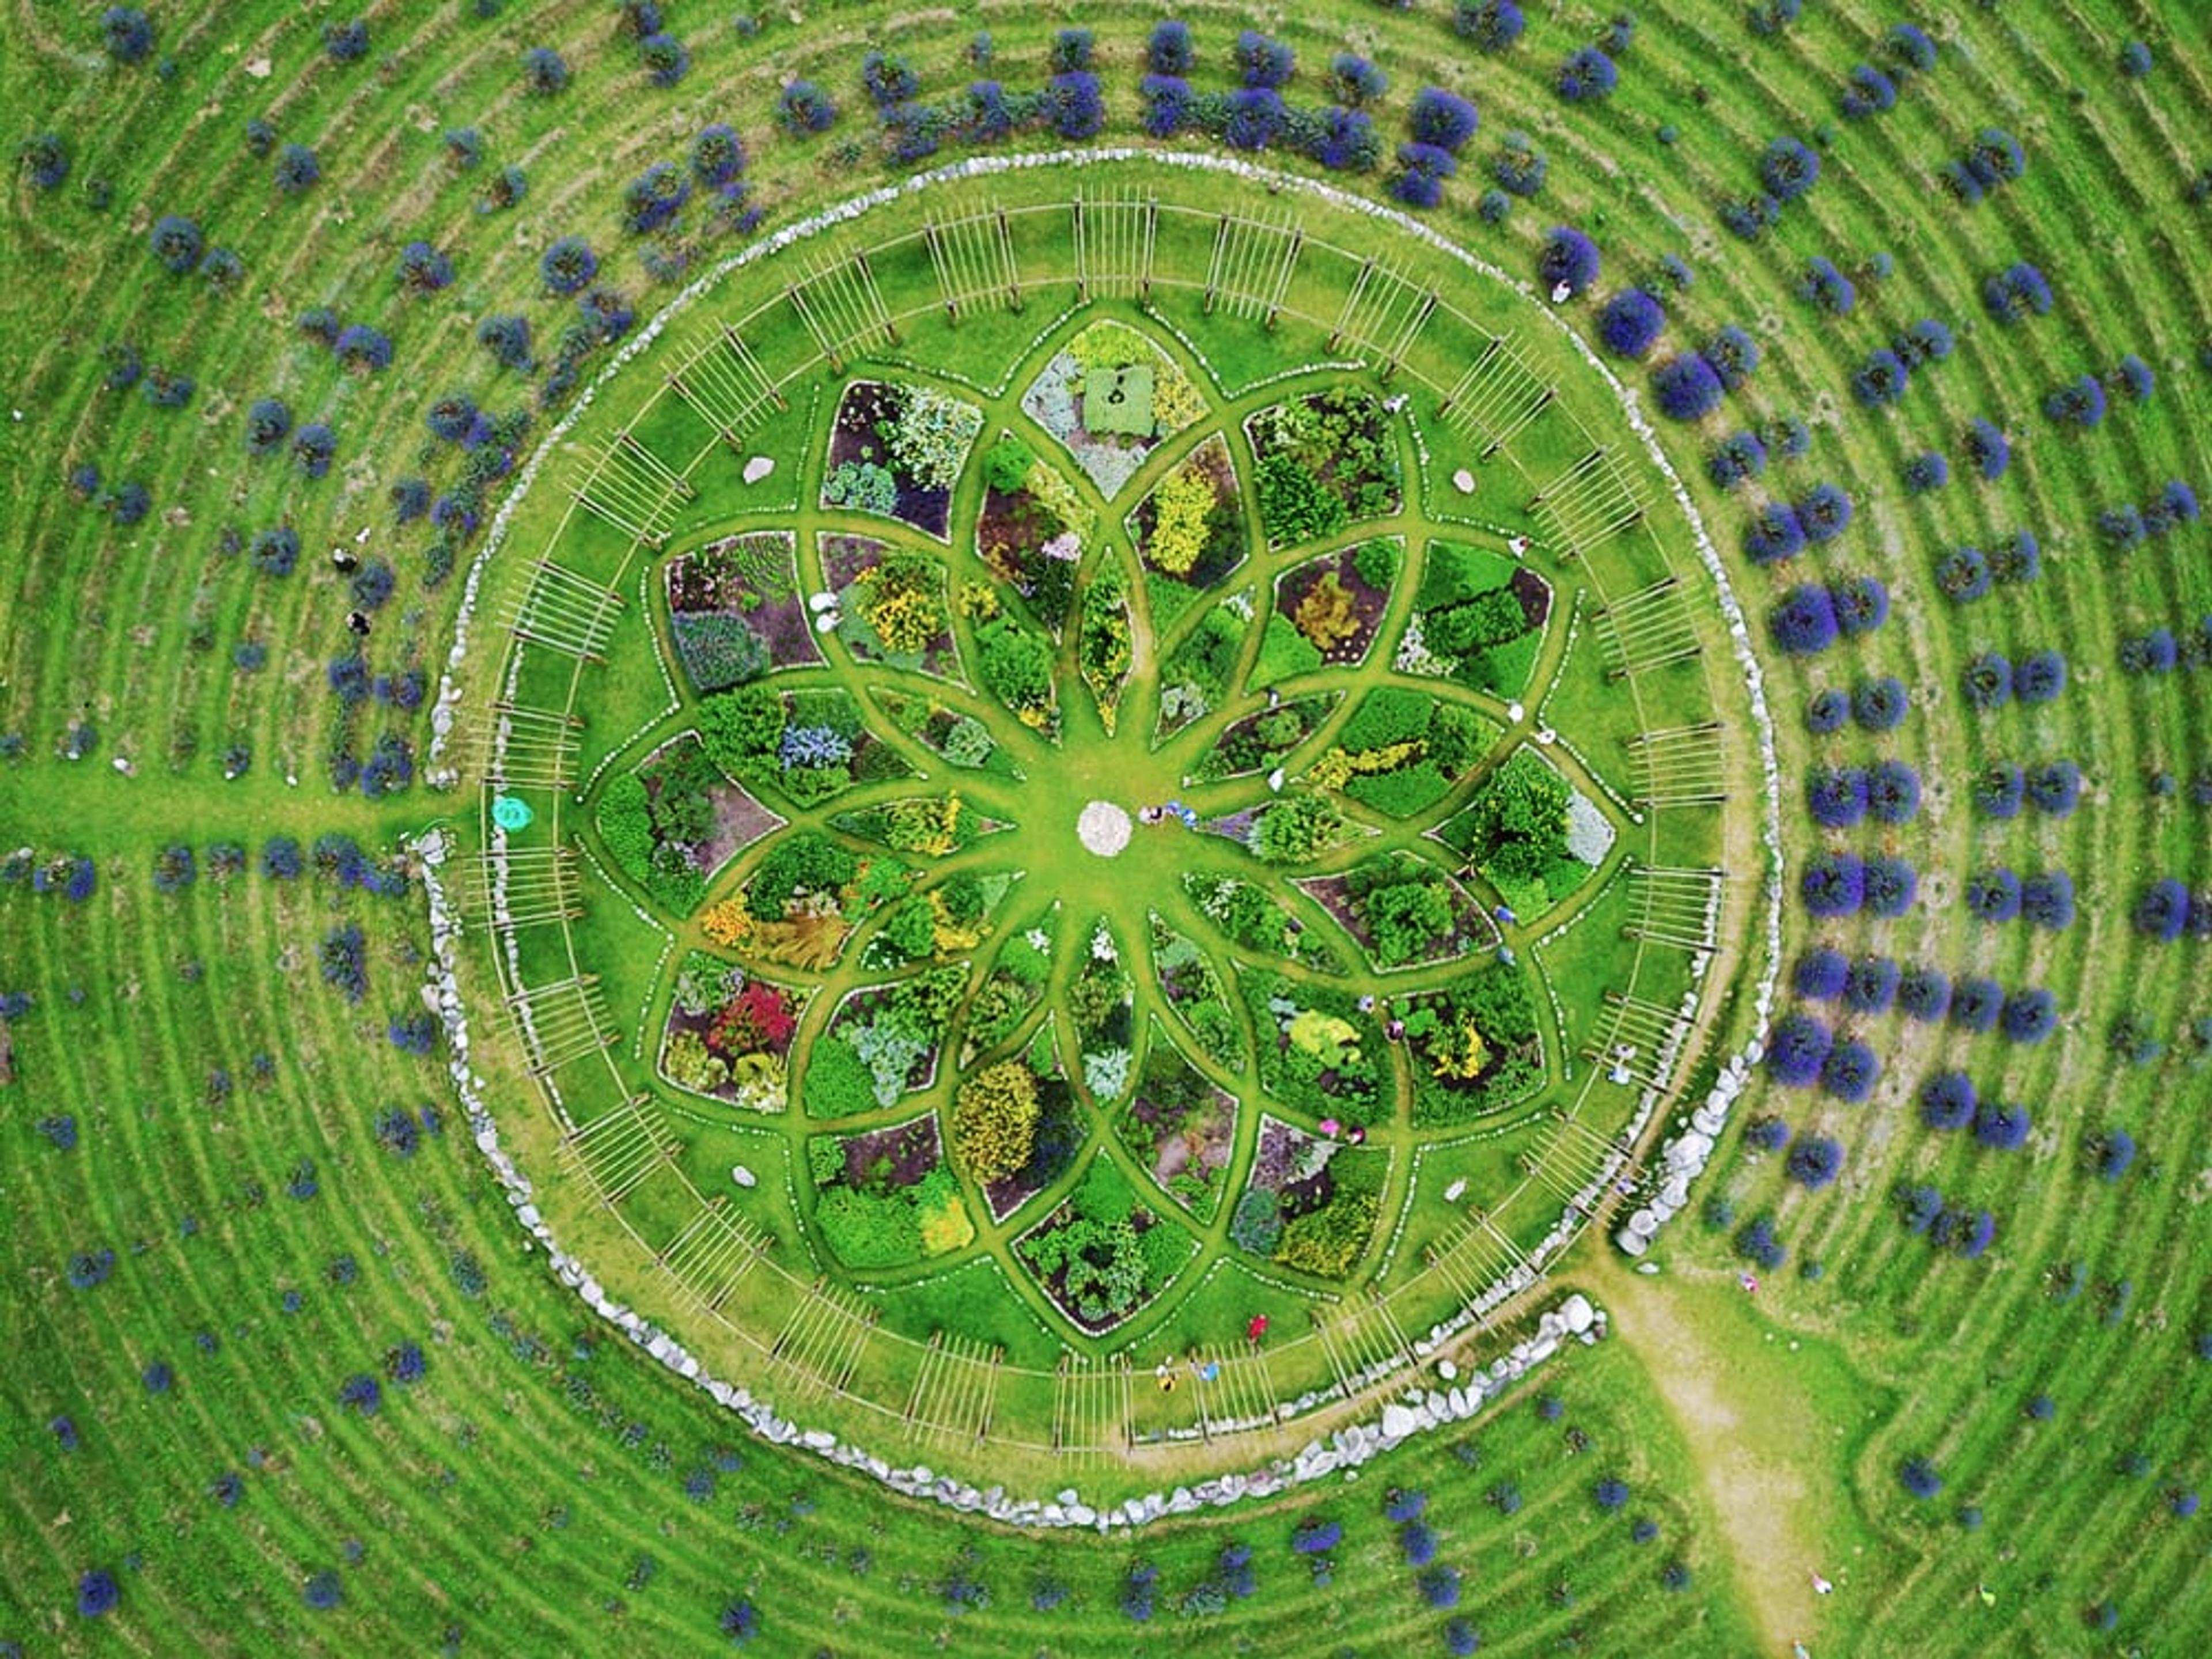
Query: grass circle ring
{"points": [[1063, 1110]]}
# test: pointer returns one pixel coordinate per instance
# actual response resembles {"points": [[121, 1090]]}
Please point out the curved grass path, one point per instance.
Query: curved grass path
{"points": [[507, 1499]]}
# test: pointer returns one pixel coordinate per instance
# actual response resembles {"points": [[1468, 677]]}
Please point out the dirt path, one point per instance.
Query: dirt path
{"points": [[1747, 1426]]}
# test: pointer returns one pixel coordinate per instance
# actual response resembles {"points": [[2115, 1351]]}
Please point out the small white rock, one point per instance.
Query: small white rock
{"points": [[1463, 482], [1457, 1191], [744, 1176], [758, 468]]}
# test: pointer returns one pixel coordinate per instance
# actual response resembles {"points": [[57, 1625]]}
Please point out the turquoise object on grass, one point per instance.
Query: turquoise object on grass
{"points": [[511, 814]]}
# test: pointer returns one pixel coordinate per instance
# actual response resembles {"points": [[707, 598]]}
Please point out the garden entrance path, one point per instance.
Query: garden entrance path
{"points": [[1747, 1430]]}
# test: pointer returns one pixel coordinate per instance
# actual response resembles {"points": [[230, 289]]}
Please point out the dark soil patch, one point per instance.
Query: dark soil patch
{"points": [[1368, 601], [899, 1156]]}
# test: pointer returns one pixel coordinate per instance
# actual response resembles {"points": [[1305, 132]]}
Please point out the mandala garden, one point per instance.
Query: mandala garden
{"points": [[835, 831], [1154, 819]]}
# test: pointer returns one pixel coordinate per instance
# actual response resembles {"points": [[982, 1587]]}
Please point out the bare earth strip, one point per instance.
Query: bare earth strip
{"points": [[1749, 1431]]}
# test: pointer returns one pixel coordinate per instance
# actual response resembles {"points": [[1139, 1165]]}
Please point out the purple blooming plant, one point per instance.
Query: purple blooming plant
{"points": [[1833, 885], [1890, 886], [1825, 511], [1687, 387], [1975, 1004], [1924, 994], [1836, 796], [1851, 1071], [1871, 985], [1813, 1162], [1820, 973], [1797, 1049], [1569, 258], [1804, 622], [1861, 604], [1948, 1101]]}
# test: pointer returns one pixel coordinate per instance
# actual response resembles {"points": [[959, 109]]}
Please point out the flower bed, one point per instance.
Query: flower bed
{"points": [[1326, 611], [1193, 989], [1102, 1003], [729, 1033], [960, 739], [1310, 1202], [1402, 751], [735, 610], [1516, 833], [1010, 990], [1261, 742], [676, 819], [1110, 398], [1319, 1050], [1033, 529], [887, 1198], [1101, 1255], [1180, 1127], [898, 451], [1194, 677], [808, 746], [1251, 918], [1326, 460], [1404, 910], [1475, 1045], [1478, 619], [891, 606], [803, 899], [883, 1042], [1190, 530]]}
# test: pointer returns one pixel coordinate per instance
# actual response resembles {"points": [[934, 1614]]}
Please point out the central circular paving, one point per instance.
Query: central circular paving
{"points": [[1103, 828]]}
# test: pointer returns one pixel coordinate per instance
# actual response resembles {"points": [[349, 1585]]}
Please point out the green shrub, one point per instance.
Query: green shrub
{"points": [[838, 1081], [1016, 665], [867, 1231], [1484, 621], [739, 726], [1283, 652], [825, 1159], [1453, 573], [718, 650], [1295, 504], [626, 825], [1388, 714], [1256, 1224], [1376, 562], [911, 929], [1400, 793], [1006, 463], [805, 861], [1104, 1195]]}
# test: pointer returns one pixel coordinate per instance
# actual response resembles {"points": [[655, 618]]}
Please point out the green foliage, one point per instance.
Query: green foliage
{"points": [[1016, 665], [1295, 828], [1007, 465], [1387, 715], [868, 1231], [1104, 1193], [1406, 920], [1487, 619], [718, 650], [1295, 505], [1400, 793], [825, 1159], [1453, 573], [1377, 563], [742, 727], [1284, 652], [626, 825], [911, 929], [804, 861], [838, 1082]]}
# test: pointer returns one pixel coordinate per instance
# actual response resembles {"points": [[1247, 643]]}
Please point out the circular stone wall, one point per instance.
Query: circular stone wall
{"points": [[1142, 794]]}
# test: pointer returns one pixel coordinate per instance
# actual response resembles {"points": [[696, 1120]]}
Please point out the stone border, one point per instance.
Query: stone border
{"points": [[1347, 1446]]}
